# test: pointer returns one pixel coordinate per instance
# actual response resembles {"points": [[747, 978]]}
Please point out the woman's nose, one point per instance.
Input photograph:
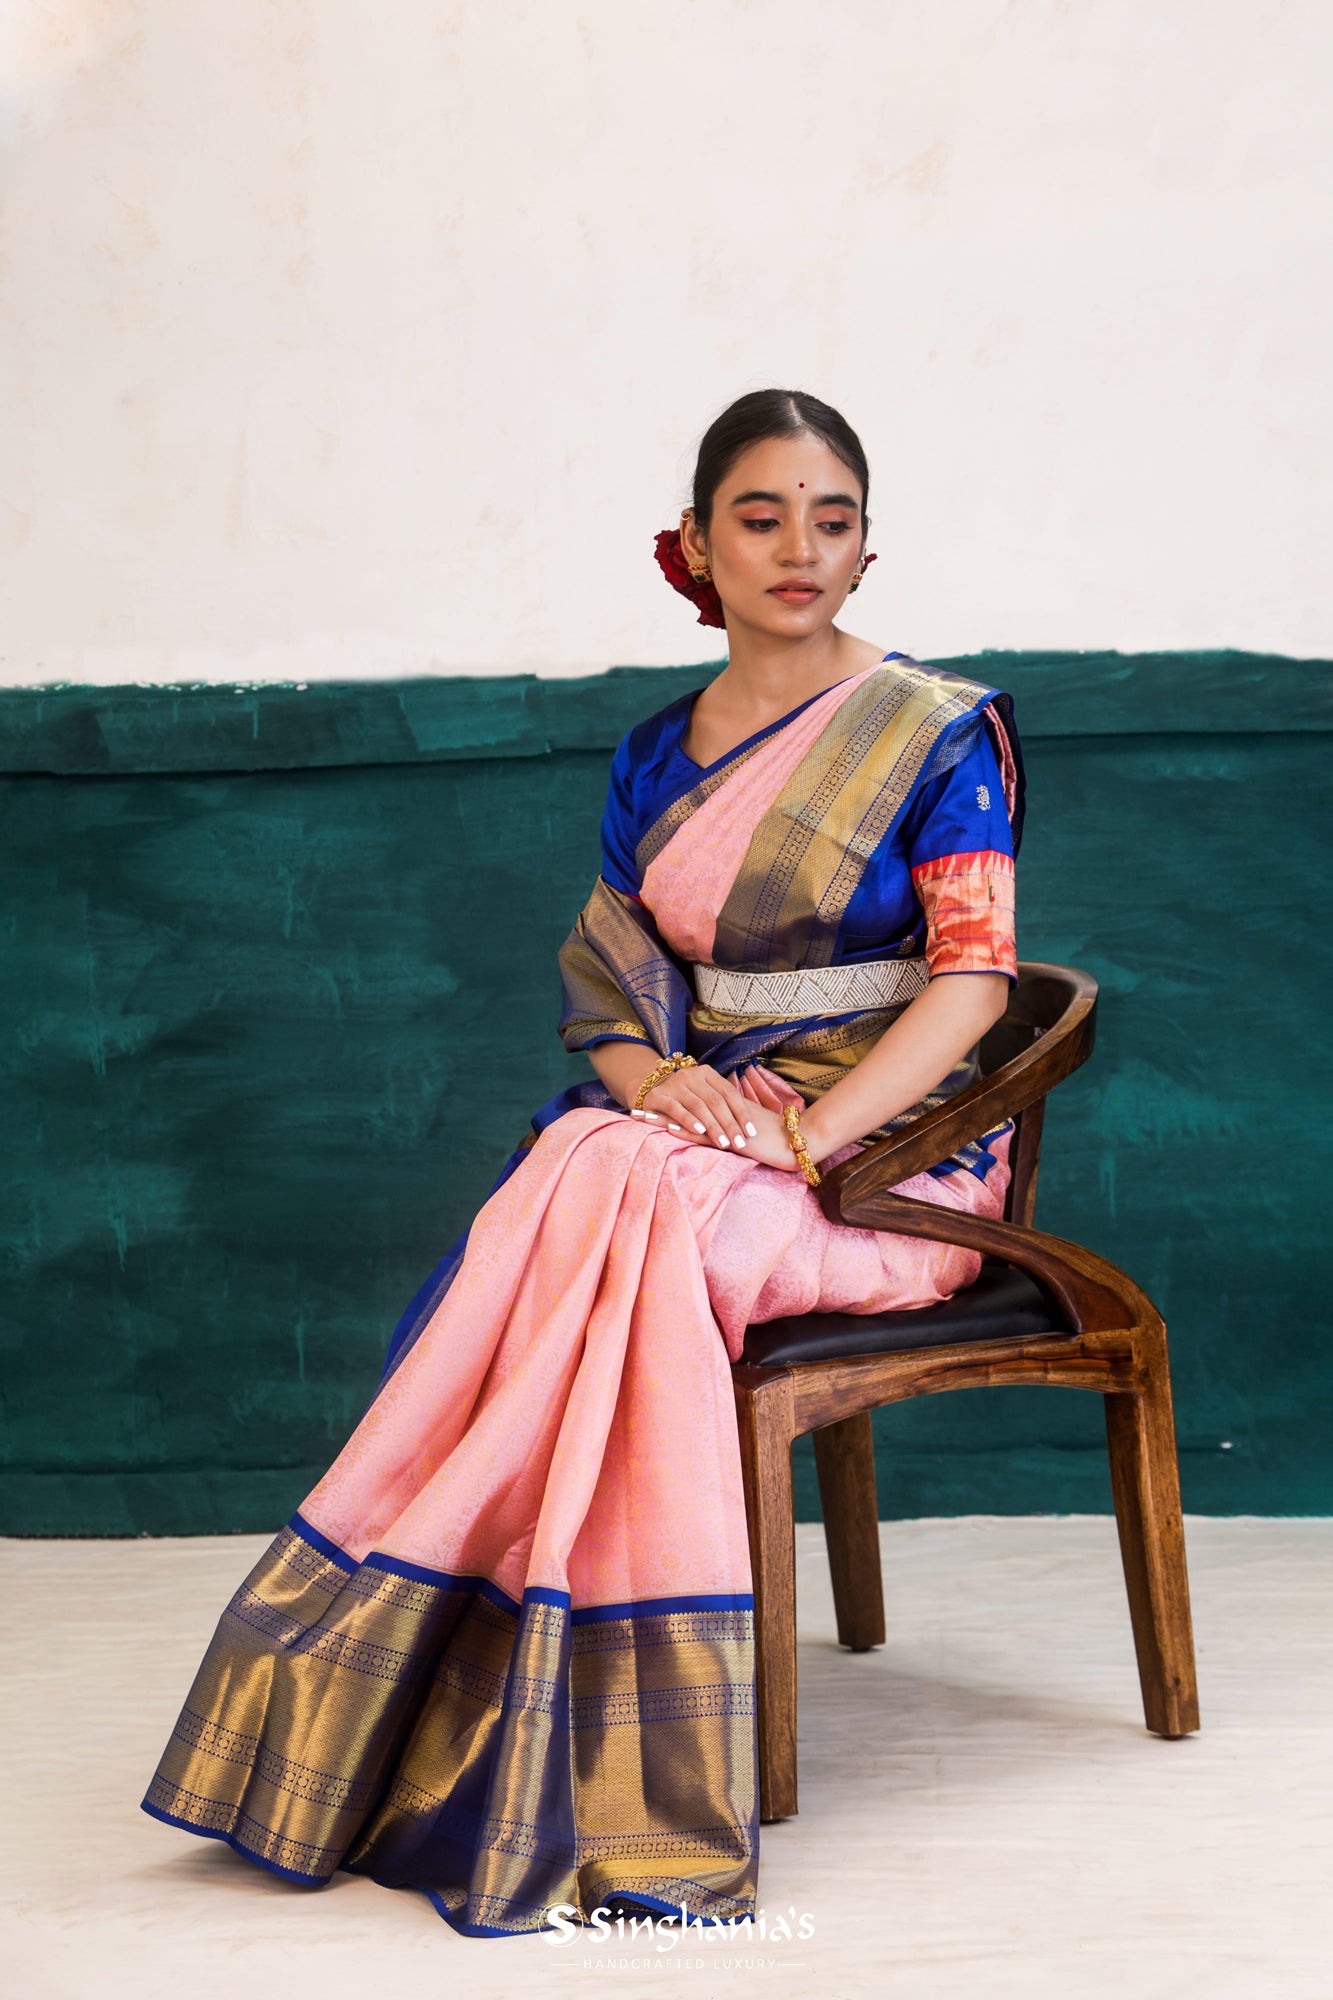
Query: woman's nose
{"points": [[798, 545]]}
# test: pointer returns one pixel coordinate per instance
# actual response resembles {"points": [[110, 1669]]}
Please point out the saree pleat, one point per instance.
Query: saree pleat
{"points": [[498, 1653]]}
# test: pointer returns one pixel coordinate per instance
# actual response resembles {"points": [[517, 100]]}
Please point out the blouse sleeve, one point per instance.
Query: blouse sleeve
{"points": [[961, 856], [619, 867]]}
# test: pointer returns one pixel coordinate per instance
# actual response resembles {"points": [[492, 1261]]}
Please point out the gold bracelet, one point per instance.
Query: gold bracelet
{"points": [[791, 1118], [667, 1067]]}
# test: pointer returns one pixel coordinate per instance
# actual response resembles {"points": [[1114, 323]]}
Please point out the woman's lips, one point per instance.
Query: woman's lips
{"points": [[796, 593]]}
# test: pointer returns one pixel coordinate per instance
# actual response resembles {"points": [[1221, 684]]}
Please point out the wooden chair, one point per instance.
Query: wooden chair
{"points": [[1042, 1311]]}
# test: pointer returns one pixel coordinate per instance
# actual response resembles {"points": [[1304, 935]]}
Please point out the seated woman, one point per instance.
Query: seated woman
{"points": [[503, 1652]]}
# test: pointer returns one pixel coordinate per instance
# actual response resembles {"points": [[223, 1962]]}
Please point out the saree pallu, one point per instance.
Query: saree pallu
{"points": [[504, 1651], [757, 866]]}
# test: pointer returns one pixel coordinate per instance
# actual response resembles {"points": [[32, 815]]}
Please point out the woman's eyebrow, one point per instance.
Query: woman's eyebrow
{"points": [[780, 499]]}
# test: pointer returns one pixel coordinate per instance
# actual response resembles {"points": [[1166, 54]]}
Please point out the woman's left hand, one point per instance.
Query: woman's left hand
{"points": [[770, 1144]]}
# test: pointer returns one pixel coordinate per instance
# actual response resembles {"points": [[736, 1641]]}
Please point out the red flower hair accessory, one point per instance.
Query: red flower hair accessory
{"points": [[701, 591]]}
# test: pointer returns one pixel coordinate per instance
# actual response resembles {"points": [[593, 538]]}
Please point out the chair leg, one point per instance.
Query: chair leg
{"points": [[845, 1462], [765, 1423], [1145, 1480]]}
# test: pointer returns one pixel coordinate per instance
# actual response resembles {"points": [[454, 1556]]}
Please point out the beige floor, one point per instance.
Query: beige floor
{"points": [[982, 1813]]}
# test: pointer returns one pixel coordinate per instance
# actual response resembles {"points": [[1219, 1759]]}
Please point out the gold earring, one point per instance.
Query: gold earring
{"points": [[855, 583], [701, 573]]}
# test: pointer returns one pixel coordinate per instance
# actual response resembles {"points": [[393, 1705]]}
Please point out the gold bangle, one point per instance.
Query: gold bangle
{"points": [[791, 1118], [667, 1067]]}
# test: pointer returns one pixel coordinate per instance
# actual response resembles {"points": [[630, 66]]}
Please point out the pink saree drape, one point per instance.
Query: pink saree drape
{"points": [[503, 1651]]}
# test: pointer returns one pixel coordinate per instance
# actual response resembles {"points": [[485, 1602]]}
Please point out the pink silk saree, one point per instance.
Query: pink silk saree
{"points": [[503, 1651]]}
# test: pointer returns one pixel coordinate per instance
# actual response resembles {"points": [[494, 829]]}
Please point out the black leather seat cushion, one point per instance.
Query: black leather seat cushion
{"points": [[1004, 1304]]}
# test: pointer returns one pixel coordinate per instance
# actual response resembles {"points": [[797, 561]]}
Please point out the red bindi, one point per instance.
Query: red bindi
{"points": [[800, 482]]}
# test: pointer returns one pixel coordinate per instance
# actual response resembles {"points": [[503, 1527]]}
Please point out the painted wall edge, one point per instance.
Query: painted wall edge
{"points": [[74, 730]]}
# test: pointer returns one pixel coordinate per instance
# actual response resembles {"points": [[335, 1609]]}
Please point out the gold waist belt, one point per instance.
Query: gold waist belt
{"points": [[816, 989]]}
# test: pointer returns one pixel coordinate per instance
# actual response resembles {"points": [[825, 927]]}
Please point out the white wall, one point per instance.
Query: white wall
{"points": [[352, 340]]}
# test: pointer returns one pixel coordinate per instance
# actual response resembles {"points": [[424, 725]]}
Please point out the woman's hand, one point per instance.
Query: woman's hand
{"points": [[765, 1135], [704, 1106], [770, 1145], [743, 1121], [764, 1138]]}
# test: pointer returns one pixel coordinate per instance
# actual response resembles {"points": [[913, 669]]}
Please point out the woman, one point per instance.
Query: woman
{"points": [[503, 1652]]}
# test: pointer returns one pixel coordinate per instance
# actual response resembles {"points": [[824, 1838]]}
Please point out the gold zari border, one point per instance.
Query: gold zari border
{"points": [[502, 1760]]}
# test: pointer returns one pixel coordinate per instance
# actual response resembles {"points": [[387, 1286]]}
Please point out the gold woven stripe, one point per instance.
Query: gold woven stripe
{"points": [[810, 848]]}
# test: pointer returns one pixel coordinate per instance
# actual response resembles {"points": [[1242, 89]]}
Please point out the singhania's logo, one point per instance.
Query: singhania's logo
{"points": [[665, 1932]]}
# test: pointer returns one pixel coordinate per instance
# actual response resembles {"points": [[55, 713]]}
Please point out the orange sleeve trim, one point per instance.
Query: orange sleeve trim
{"points": [[969, 904]]}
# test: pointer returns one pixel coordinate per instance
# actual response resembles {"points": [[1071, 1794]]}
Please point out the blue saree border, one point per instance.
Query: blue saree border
{"points": [[640, 1897], [537, 1593], [683, 1906], [451, 1917], [236, 1846]]}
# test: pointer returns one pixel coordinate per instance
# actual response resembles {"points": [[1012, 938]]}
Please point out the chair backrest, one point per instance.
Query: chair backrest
{"points": [[1055, 1004]]}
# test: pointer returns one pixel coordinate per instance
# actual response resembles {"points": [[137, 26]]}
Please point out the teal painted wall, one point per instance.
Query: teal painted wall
{"points": [[280, 993]]}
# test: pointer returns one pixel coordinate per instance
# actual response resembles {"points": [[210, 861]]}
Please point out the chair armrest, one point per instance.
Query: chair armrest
{"points": [[1094, 1295], [1054, 1054]]}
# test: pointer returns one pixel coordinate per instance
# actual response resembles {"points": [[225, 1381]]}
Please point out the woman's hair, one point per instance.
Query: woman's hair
{"points": [[772, 413]]}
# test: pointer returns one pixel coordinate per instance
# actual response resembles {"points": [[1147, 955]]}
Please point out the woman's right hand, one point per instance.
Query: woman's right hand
{"points": [[703, 1106]]}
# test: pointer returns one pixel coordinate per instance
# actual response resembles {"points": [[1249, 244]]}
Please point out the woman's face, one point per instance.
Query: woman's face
{"points": [[785, 538]]}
